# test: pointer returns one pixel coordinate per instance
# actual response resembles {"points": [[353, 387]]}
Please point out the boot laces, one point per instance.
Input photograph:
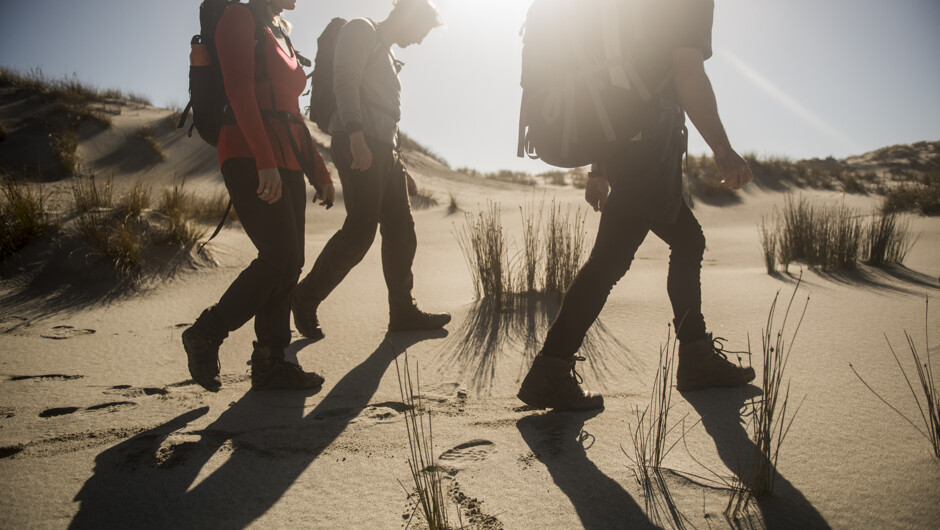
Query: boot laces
{"points": [[718, 345], [575, 376]]}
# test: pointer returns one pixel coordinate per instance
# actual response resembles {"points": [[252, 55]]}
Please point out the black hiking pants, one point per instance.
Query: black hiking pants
{"points": [[375, 199], [618, 238], [263, 290]]}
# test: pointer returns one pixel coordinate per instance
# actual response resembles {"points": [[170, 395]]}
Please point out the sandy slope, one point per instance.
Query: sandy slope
{"points": [[102, 428]]}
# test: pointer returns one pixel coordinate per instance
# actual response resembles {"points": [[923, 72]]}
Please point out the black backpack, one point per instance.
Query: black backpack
{"points": [[207, 99], [582, 95], [322, 97]]}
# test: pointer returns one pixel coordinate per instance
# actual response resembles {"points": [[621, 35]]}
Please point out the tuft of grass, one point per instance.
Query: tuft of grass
{"points": [[564, 247], [177, 204], [652, 423], [133, 202], [453, 207], [922, 196], [24, 216], [888, 239], [87, 194], [148, 136], [114, 241], [423, 200], [768, 243], [769, 419], [486, 251], [65, 147], [532, 251], [426, 474], [929, 408]]}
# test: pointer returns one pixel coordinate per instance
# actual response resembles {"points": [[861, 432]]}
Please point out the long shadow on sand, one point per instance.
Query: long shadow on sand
{"points": [[559, 441], [720, 411], [488, 334], [889, 278], [148, 482]]}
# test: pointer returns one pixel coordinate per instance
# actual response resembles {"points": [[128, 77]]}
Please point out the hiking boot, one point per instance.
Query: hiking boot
{"points": [[269, 371], [554, 383], [203, 355], [704, 364], [412, 319]]}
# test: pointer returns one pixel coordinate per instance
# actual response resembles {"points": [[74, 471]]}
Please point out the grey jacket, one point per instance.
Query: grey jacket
{"points": [[368, 91]]}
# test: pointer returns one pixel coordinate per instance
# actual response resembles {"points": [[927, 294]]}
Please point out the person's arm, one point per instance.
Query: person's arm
{"points": [[698, 98], [235, 46], [353, 48]]}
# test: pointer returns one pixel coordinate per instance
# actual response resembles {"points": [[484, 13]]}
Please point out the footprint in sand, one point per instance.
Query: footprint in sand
{"points": [[66, 332], [129, 392], [63, 411], [467, 453], [9, 324]]}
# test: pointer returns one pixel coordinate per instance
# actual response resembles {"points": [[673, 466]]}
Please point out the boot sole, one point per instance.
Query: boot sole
{"points": [[209, 384], [539, 403]]}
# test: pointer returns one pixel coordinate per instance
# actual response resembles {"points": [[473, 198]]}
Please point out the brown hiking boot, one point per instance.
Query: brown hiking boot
{"points": [[305, 317], [269, 371], [555, 384], [203, 355], [703, 364], [413, 319]]}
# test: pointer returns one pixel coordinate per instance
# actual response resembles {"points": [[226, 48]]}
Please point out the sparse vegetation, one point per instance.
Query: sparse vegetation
{"points": [[769, 421], [929, 408], [148, 136], [179, 205], [426, 474], [921, 195], [423, 200], [24, 215], [408, 143], [705, 179], [551, 255], [453, 207], [832, 238], [65, 146], [88, 194]]}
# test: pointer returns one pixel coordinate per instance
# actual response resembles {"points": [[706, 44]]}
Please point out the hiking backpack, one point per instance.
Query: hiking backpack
{"points": [[207, 100], [322, 97], [582, 95]]}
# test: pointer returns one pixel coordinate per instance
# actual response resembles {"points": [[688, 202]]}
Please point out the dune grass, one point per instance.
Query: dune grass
{"points": [[147, 135], [929, 406], [423, 200], [832, 237], [453, 207], [24, 215], [769, 418], [553, 249], [426, 474], [180, 207]]}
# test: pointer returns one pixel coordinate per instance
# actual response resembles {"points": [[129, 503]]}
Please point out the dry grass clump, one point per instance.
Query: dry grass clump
{"points": [[553, 250], [769, 421], [423, 200], [24, 215], [705, 179], [453, 207], [832, 238], [929, 408], [920, 195], [408, 143], [88, 194], [148, 136], [426, 474], [65, 147], [180, 206]]}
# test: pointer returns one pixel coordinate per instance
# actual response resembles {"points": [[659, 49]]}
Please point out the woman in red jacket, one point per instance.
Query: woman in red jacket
{"points": [[265, 181]]}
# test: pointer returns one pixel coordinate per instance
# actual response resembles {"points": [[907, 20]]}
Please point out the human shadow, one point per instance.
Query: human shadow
{"points": [[720, 410], [558, 440], [519, 324], [267, 442]]}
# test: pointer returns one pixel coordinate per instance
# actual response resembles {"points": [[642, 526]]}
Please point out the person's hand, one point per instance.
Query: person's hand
{"points": [[412, 185], [362, 155], [734, 169], [326, 195], [269, 185], [596, 191]]}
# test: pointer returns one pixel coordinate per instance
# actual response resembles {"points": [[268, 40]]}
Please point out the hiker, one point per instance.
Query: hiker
{"points": [[376, 185], [637, 191], [265, 182]]}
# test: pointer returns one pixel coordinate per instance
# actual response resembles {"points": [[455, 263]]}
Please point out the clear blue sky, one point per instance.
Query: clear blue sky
{"points": [[801, 78]]}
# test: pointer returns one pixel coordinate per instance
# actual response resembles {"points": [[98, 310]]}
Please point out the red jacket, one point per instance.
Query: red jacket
{"points": [[264, 139]]}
